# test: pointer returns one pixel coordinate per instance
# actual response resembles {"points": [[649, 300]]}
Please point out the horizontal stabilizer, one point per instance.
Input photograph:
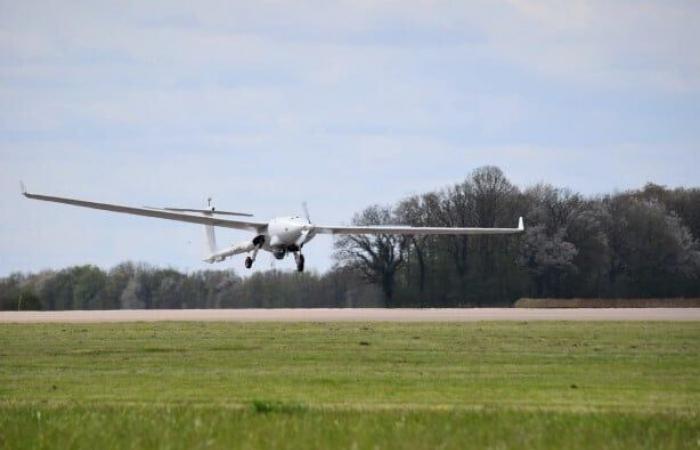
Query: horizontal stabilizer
{"points": [[202, 211]]}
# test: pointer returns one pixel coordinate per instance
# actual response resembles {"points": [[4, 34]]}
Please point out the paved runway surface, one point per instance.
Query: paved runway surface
{"points": [[352, 315]]}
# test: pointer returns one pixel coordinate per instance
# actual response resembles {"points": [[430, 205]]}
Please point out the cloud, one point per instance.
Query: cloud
{"points": [[600, 42]]}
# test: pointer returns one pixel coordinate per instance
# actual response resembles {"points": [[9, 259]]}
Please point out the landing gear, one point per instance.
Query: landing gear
{"points": [[258, 242], [299, 258], [249, 260]]}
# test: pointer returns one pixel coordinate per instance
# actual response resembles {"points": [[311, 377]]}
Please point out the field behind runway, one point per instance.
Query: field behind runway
{"points": [[351, 384]]}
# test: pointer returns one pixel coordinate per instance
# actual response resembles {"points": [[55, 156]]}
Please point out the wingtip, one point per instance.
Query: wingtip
{"points": [[23, 188], [521, 224]]}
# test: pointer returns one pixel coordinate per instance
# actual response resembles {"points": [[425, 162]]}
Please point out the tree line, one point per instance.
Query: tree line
{"points": [[141, 286], [640, 243]]}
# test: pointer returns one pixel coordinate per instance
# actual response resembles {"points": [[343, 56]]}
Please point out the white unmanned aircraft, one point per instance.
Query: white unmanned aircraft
{"points": [[280, 236]]}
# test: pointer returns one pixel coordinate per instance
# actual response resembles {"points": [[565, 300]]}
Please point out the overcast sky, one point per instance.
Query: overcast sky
{"points": [[266, 104]]}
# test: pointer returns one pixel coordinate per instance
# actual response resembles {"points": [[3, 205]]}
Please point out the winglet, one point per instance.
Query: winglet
{"points": [[23, 188], [521, 225]]}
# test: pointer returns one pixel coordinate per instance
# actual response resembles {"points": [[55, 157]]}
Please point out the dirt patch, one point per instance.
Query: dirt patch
{"points": [[608, 303]]}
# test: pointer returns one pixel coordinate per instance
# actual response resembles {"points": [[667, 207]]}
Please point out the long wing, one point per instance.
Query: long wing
{"points": [[392, 229], [248, 225]]}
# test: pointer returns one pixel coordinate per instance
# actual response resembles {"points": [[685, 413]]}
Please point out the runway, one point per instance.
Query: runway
{"points": [[354, 315]]}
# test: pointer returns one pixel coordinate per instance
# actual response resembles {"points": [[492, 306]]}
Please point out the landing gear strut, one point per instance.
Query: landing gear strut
{"points": [[299, 258], [258, 242]]}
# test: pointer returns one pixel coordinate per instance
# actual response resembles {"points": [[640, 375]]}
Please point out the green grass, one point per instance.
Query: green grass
{"points": [[224, 385]]}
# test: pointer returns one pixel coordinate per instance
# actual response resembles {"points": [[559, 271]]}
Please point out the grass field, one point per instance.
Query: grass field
{"points": [[349, 385]]}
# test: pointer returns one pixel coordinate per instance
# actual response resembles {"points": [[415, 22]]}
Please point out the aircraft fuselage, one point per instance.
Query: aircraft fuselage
{"points": [[285, 234]]}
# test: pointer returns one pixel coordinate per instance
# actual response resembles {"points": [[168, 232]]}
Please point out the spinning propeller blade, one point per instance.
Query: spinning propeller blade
{"points": [[306, 211]]}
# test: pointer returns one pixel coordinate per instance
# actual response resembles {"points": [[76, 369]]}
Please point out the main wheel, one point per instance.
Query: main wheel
{"points": [[248, 262], [300, 263]]}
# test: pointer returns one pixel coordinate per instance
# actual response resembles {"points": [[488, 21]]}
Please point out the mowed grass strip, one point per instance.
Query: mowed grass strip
{"points": [[183, 385]]}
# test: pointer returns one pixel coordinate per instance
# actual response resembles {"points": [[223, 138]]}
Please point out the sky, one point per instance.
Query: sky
{"points": [[266, 104]]}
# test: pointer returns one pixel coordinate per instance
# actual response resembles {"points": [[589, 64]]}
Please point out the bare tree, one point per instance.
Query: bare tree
{"points": [[491, 194], [492, 198], [415, 211], [376, 257], [458, 209]]}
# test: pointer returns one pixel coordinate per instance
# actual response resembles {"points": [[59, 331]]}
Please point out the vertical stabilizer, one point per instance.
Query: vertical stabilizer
{"points": [[209, 230], [211, 238]]}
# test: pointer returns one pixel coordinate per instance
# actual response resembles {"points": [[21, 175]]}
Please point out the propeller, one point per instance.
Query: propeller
{"points": [[305, 207], [306, 229]]}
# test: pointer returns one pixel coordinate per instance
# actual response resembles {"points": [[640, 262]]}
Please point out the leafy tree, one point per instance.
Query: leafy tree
{"points": [[653, 249], [548, 258]]}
